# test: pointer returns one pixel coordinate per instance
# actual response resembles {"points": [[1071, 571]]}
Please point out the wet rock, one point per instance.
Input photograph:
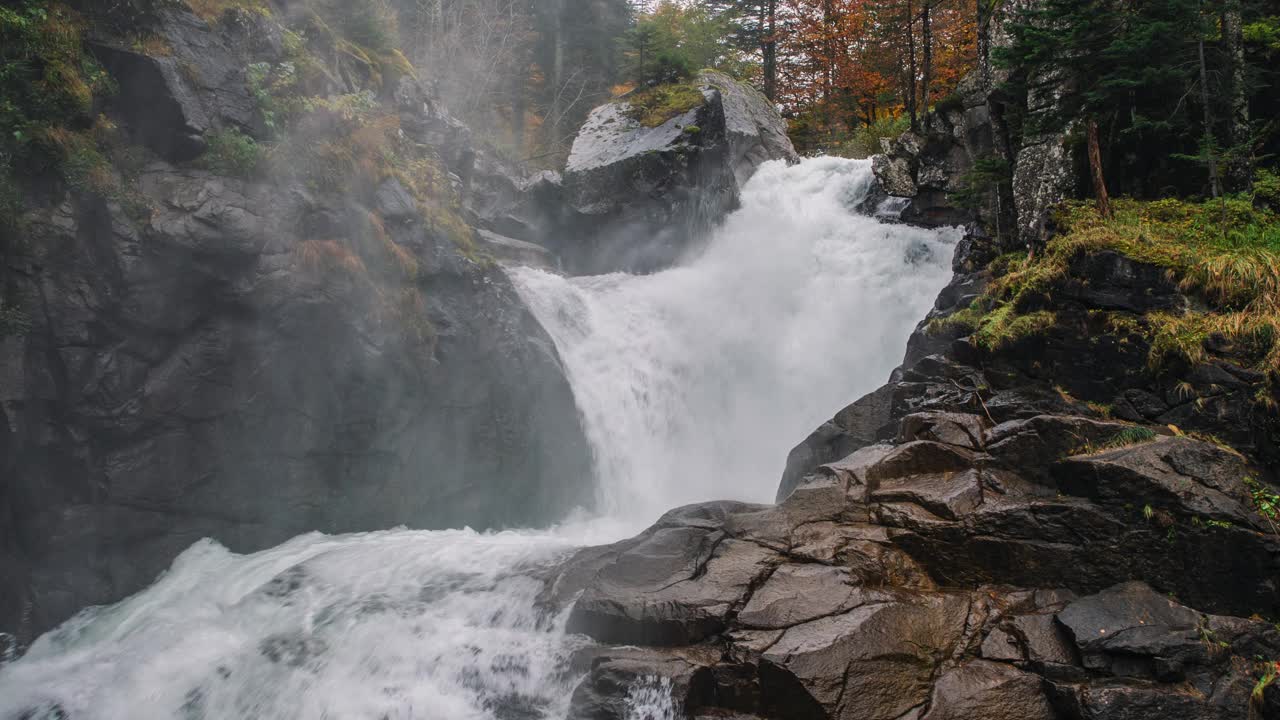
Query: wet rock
{"points": [[1190, 478], [1031, 447], [644, 194], [510, 251], [1131, 630], [981, 690], [677, 586], [617, 675], [960, 429], [795, 594], [895, 175], [248, 361], [1110, 281], [854, 427], [945, 495], [395, 202], [920, 457], [875, 661]]}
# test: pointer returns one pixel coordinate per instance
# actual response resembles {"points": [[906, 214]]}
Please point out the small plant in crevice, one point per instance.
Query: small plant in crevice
{"points": [[231, 152], [1270, 672], [1266, 501]]}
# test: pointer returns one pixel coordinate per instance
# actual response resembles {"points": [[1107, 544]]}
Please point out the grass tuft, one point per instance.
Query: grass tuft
{"points": [[657, 105], [1225, 252]]}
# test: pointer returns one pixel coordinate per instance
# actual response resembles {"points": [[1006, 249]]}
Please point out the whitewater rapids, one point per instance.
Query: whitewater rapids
{"points": [[693, 384]]}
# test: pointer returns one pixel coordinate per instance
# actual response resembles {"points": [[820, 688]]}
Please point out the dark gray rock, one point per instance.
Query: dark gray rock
{"points": [[1190, 478], [252, 360], [677, 587], [1031, 447], [644, 194], [959, 429], [982, 690], [875, 661], [858, 425]]}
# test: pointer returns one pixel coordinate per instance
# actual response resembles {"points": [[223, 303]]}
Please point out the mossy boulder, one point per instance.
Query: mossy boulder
{"points": [[650, 171]]}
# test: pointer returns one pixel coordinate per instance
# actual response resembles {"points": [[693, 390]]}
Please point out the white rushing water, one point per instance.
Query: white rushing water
{"points": [[693, 383]]}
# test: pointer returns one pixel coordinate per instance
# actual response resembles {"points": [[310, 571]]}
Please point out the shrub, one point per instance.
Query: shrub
{"points": [[231, 152], [987, 175], [46, 78], [1266, 188], [865, 141]]}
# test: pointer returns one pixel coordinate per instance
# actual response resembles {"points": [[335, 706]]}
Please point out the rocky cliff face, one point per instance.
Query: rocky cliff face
{"points": [[252, 358], [645, 182], [969, 541], [969, 162]]}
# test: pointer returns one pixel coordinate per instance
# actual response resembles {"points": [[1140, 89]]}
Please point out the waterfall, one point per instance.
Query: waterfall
{"points": [[693, 384]]}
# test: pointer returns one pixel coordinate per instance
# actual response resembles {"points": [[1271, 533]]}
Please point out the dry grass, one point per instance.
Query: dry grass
{"points": [[152, 46], [654, 106], [329, 256], [211, 10], [1235, 271]]}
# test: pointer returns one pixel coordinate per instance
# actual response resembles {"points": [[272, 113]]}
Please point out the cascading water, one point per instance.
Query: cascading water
{"points": [[696, 382], [693, 384]]}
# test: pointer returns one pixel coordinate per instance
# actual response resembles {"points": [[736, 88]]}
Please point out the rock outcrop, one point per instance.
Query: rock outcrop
{"points": [[643, 194], [250, 359], [965, 162], [976, 539]]}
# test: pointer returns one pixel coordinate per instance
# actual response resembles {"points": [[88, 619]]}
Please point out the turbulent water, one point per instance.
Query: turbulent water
{"points": [[693, 384]]}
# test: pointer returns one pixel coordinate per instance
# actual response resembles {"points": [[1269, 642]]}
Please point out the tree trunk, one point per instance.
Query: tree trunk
{"points": [[909, 87], [926, 43], [984, 43], [519, 106], [1095, 169], [1211, 154], [770, 50], [1240, 161]]}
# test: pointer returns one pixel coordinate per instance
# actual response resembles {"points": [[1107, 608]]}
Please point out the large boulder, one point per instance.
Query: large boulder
{"points": [[645, 187]]}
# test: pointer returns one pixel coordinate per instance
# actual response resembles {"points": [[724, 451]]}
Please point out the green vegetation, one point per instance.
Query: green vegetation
{"points": [[654, 106], [975, 185], [1227, 252], [812, 133], [1266, 502], [673, 41], [1129, 436], [231, 152], [213, 10], [1270, 671], [47, 87]]}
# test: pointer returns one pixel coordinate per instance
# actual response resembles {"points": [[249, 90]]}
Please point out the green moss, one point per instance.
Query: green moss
{"points": [[47, 80], [656, 105], [231, 152], [1227, 252]]}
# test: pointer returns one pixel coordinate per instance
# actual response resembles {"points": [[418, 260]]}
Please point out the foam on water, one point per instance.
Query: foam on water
{"points": [[693, 384]]}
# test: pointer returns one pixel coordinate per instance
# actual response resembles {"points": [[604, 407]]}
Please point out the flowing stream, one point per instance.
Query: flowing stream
{"points": [[693, 384]]}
